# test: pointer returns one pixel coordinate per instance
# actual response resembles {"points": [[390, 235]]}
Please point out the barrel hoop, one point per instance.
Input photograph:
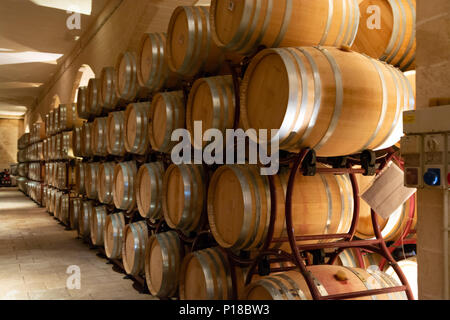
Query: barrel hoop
{"points": [[413, 33], [344, 18], [355, 25], [395, 30], [398, 110], [329, 204], [155, 55], [215, 101], [205, 16], [167, 260], [269, 285], [383, 104], [318, 284], [347, 259], [237, 39], [161, 73], [339, 98], [317, 95], [410, 62], [329, 19], [200, 255], [226, 267], [351, 204], [244, 38], [350, 21], [285, 24], [300, 118], [226, 84], [296, 291], [403, 32], [342, 196], [258, 210], [363, 280], [284, 290], [389, 280], [381, 281]]}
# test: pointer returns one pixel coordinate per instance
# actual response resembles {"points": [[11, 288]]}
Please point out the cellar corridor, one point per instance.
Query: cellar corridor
{"points": [[36, 252]]}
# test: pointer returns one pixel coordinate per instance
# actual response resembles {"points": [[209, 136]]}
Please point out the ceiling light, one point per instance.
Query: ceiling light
{"points": [[7, 58], [80, 6]]}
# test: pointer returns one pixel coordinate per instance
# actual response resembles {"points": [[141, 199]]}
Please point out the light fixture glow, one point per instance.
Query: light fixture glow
{"points": [[80, 6], [7, 58]]}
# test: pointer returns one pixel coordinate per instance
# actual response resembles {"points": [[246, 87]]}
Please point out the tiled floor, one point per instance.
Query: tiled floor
{"points": [[35, 253]]}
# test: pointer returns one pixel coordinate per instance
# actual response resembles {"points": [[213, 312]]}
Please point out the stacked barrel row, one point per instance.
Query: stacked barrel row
{"points": [[308, 84]]}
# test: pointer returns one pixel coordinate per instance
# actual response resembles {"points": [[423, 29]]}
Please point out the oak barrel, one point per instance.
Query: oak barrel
{"points": [[346, 102], [245, 25], [97, 225], [163, 257], [387, 31], [167, 114], [94, 106], [409, 268], [86, 134], [77, 141], [184, 194], [116, 134], [153, 71], [90, 180], [239, 205], [66, 146], [126, 76], [105, 182], [136, 127], [56, 125], [68, 117], [99, 137], [76, 205], [134, 244], [108, 94], [149, 190], [190, 48], [211, 101], [113, 235], [82, 103], [206, 275], [124, 185], [64, 208], [84, 228], [80, 173], [291, 285]]}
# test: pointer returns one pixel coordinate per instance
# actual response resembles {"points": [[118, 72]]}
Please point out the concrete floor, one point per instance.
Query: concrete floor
{"points": [[36, 251]]}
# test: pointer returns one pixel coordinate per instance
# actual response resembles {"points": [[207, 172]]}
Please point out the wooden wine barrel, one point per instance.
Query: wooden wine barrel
{"points": [[59, 147], [391, 37], [80, 173], [51, 202], [153, 71], [94, 106], [66, 146], [57, 207], [243, 26], [64, 208], [124, 184], [349, 102], [53, 148], [291, 285], [239, 206], [349, 258], [82, 103], [77, 141], [97, 225], [61, 176], [190, 48], [56, 125], [86, 134], [108, 95], [206, 275], [116, 134], [45, 149], [167, 114], [105, 182], [98, 137], [149, 190], [47, 125], [76, 205], [68, 118], [126, 76], [136, 128], [163, 257], [211, 101], [84, 219], [90, 180], [113, 235], [409, 268], [184, 194], [411, 76], [134, 244]]}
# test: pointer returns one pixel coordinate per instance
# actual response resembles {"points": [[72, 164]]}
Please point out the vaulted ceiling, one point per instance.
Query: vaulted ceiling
{"points": [[34, 35]]}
